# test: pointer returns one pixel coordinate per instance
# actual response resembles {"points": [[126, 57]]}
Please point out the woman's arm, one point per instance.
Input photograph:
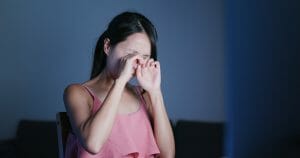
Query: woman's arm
{"points": [[92, 130], [149, 77], [162, 128]]}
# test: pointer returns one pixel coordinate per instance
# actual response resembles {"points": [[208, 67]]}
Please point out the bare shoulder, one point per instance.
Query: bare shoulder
{"points": [[74, 94], [74, 89]]}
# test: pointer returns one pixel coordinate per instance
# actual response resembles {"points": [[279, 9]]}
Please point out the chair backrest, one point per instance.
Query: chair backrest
{"points": [[63, 128]]}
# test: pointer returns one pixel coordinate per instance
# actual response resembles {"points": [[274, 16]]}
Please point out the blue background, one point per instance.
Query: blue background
{"points": [[227, 61]]}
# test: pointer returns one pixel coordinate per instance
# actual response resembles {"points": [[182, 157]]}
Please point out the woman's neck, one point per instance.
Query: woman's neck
{"points": [[104, 80]]}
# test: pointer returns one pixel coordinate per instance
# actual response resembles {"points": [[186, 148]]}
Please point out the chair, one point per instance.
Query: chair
{"points": [[199, 139], [63, 128], [35, 139]]}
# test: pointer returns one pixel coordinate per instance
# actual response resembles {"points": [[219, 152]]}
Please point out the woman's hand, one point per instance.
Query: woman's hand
{"points": [[127, 67], [148, 75]]}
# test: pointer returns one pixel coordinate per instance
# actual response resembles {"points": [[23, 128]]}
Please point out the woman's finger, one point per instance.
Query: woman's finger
{"points": [[148, 62], [139, 71], [137, 60], [152, 63], [156, 64]]}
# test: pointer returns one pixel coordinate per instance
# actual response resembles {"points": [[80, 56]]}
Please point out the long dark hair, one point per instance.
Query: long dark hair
{"points": [[122, 26]]}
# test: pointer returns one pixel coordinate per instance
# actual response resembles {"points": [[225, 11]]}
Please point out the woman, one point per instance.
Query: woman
{"points": [[111, 118]]}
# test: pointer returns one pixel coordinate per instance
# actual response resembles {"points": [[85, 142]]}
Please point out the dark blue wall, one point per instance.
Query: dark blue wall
{"points": [[262, 77]]}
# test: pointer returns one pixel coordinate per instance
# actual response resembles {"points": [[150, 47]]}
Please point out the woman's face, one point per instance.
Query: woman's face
{"points": [[137, 43]]}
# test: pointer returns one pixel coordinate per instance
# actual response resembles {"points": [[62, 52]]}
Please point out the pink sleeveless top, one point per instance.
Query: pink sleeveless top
{"points": [[131, 136]]}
